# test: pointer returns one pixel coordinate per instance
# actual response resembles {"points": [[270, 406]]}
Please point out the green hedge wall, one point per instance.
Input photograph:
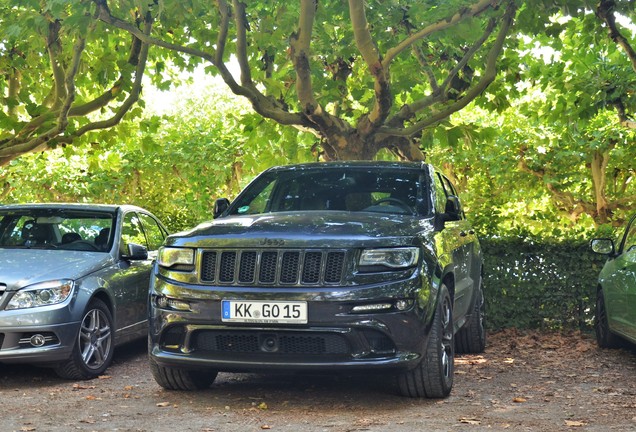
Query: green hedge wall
{"points": [[532, 284]]}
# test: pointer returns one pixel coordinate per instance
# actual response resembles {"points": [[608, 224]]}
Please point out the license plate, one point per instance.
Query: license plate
{"points": [[267, 312]]}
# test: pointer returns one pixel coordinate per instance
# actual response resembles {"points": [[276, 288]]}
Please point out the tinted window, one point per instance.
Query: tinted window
{"points": [[353, 189]]}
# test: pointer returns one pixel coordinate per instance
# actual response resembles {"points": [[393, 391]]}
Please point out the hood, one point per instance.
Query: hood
{"points": [[23, 267], [304, 229]]}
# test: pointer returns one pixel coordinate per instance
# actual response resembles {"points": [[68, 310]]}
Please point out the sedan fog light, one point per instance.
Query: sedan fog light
{"points": [[37, 340]]}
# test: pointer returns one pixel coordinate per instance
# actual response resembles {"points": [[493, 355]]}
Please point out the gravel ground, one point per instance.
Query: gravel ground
{"points": [[524, 381]]}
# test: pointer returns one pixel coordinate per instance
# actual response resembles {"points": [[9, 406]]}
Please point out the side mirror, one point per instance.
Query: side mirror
{"points": [[603, 246], [136, 252], [452, 208], [220, 205]]}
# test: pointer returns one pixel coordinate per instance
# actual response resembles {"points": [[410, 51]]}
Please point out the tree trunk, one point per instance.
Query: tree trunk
{"points": [[599, 168]]}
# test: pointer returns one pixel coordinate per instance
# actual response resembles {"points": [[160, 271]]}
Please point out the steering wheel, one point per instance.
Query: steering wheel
{"points": [[397, 202]]}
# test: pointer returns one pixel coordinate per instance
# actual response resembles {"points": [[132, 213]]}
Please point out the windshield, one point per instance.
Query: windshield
{"points": [[343, 189], [56, 229]]}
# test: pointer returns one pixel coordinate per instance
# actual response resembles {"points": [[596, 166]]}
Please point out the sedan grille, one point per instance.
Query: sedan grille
{"points": [[272, 267]]}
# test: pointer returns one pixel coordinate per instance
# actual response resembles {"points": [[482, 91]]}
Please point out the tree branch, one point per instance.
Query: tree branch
{"points": [[300, 47], [139, 56], [54, 49], [467, 12], [13, 148], [240, 19], [489, 75], [440, 94], [373, 60], [605, 11]]}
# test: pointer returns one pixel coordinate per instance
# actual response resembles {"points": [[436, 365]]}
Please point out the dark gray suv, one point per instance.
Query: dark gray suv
{"points": [[356, 266]]}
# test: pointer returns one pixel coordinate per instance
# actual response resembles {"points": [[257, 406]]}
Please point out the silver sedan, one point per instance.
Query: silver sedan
{"points": [[74, 283]]}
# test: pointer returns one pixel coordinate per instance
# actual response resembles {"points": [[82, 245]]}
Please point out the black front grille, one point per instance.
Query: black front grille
{"points": [[290, 343], [271, 267]]}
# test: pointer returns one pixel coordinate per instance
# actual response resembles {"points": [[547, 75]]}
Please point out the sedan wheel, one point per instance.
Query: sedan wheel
{"points": [[604, 336], [93, 350]]}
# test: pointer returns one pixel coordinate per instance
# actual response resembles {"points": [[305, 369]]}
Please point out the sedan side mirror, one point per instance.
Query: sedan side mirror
{"points": [[220, 205], [603, 246], [136, 252]]}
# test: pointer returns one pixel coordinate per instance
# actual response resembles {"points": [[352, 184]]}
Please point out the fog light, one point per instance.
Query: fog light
{"points": [[401, 304], [37, 340], [164, 302]]}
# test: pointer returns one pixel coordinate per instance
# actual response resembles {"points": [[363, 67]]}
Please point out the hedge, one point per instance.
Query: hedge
{"points": [[531, 284]]}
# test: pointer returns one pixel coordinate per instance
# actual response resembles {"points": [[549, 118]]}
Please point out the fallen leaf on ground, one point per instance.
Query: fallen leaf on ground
{"points": [[82, 387], [472, 421], [519, 400], [571, 423]]}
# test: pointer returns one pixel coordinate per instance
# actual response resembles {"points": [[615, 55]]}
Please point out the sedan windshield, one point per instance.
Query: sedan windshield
{"points": [[56, 229], [348, 189]]}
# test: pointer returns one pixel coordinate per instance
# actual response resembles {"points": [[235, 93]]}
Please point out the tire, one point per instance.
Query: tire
{"points": [[471, 339], [433, 376], [172, 378], [94, 345], [604, 336]]}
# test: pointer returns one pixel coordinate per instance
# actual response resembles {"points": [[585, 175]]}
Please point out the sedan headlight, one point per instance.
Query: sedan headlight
{"points": [[179, 258], [393, 258], [41, 294]]}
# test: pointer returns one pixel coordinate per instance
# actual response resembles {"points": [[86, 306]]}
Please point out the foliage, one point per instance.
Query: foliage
{"points": [[197, 144], [539, 284], [64, 74], [548, 155], [342, 70]]}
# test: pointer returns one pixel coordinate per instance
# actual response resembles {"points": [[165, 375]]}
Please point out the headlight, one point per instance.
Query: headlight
{"points": [[180, 258], [394, 258], [42, 294]]}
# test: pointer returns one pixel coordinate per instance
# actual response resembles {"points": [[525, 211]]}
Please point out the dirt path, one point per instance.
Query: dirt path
{"points": [[524, 381]]}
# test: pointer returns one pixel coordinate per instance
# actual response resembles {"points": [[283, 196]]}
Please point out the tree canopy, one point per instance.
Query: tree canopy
{"points": [[527, 107], [359, 75]]}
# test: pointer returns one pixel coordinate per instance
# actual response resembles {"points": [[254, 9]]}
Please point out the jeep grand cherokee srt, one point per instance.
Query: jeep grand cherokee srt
{"points": [[357, 266]]}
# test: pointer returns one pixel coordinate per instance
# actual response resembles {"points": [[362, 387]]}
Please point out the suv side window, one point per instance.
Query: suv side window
{"points": [[440, 195], [448, 190]]}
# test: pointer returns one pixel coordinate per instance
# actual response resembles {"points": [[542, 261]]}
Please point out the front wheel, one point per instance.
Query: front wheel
{"points": [[94, 347], [433, 376], [172, 378], [604, 336]]}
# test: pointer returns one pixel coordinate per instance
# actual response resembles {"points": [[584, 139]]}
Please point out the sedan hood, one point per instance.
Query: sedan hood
{"points": [[305, 229], [23, 267]]}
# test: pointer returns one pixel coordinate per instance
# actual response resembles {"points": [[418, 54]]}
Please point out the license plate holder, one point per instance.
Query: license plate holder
{"points": [[264, 311]]}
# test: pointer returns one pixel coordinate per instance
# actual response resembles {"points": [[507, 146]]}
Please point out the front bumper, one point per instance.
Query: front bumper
{"points": [[39, 335], [334, 338], [16, 343]]}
